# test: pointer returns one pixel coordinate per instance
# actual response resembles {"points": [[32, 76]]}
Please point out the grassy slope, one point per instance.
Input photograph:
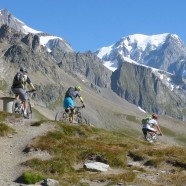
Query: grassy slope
{"points": [[71, 146]]}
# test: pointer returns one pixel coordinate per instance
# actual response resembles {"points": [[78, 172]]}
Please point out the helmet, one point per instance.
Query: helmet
{"points": [[23, 69], [77, 87], [154, 116]]}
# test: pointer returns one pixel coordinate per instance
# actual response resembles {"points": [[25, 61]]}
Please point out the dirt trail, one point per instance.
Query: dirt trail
{"points": [[12, 155]]}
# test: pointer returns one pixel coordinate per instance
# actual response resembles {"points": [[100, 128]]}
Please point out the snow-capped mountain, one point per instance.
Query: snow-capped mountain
{"points": [[163, 51], [135, 60], [49, 41]]}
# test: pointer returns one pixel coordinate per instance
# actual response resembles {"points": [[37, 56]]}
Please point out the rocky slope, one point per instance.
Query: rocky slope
{"points": [[147, 88]]}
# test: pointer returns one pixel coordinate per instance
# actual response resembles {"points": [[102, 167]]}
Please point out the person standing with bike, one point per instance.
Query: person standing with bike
{"points": [[70, 95], [19, 87]]}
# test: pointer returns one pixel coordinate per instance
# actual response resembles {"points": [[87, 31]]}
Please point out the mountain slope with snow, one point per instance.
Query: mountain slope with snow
{"points": [[49, 41], [163, 51], [136, 61]]}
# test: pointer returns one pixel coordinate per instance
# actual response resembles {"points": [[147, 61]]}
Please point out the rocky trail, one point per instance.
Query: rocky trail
{"points": [[12, 149]]}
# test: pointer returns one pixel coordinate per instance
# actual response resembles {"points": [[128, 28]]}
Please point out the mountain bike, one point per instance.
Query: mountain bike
{"points": [[152, 137], [66, 116], [17, 106]]}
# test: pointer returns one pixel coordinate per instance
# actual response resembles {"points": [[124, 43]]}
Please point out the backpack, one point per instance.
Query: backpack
{"points": [[146, 119], [69, 92], [19, 78]]}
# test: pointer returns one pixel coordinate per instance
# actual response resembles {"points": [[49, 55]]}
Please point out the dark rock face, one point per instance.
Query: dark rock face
{"points": [[7, 18], [143, 87], [18, 49], [86, 64], [32, 41]]}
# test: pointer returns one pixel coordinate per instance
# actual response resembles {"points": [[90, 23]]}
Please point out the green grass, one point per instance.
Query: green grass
{"points": [[181, 138], [5, 130], [71, 145], [31, 177], [4, 115]]}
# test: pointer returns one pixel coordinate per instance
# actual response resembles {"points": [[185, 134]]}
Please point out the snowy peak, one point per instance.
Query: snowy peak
{"points": [[7, 18], [132, 43], [47, 40], [143, 41], [163, 51]]}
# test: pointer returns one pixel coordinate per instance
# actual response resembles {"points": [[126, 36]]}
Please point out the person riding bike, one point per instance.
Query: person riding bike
{"points": [[19, 87], [70, 95], [151, 127]]}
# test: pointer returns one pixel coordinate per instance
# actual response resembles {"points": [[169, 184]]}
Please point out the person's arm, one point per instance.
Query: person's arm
{"points": [[30, 83], [159, 130], [81, 99], [32, 86]]}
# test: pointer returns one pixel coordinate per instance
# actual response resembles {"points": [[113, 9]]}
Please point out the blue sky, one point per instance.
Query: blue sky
{"points": [[92, 24]]}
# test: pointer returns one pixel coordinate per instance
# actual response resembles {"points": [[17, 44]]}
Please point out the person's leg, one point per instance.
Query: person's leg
{"points": [[16, 91], [17, 96], [73, 114], [24, 98], [152, 131], [69, 103], [144, 133], [21, 94]]}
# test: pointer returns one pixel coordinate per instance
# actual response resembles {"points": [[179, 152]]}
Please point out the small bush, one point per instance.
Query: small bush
{"points": [[32, 178], [4, 129]]}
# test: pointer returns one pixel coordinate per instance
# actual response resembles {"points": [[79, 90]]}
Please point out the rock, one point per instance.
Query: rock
{"points": [[98, 166], [50, 182]]}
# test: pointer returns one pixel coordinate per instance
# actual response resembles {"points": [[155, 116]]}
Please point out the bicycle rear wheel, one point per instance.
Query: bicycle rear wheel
{"points": [[151, 138], [29, 111], [16, 107]]}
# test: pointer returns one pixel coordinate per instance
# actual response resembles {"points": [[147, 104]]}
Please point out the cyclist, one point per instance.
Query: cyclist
{"points": [[19, 87], [151, 126], [70, 95]]}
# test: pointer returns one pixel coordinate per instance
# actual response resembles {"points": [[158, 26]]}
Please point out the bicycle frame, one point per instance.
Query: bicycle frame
{"points": [[67, 116], [152, 137], [77, 114]]}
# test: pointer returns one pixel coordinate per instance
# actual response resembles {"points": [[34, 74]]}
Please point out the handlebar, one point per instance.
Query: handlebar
{"points": [[30, 91], [79, 107]]}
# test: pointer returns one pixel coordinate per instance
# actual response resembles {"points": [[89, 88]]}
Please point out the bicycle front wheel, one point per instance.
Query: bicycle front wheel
{"points": [[82, 120], [61, 116]]}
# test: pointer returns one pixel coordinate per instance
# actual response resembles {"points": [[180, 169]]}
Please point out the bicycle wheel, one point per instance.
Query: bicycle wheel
{"points": [[61, 116], [16, 107], [29, 111], [151, 139], [82, 120]]}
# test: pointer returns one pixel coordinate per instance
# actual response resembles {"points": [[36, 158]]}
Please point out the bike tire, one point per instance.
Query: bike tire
{"points": [[82, 120], [29, 111], [61, 116], [151, 139], [15, 107]]}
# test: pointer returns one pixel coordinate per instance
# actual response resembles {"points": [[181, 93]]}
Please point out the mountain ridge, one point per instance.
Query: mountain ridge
{"points": [[87, 68], [146, 50]]}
